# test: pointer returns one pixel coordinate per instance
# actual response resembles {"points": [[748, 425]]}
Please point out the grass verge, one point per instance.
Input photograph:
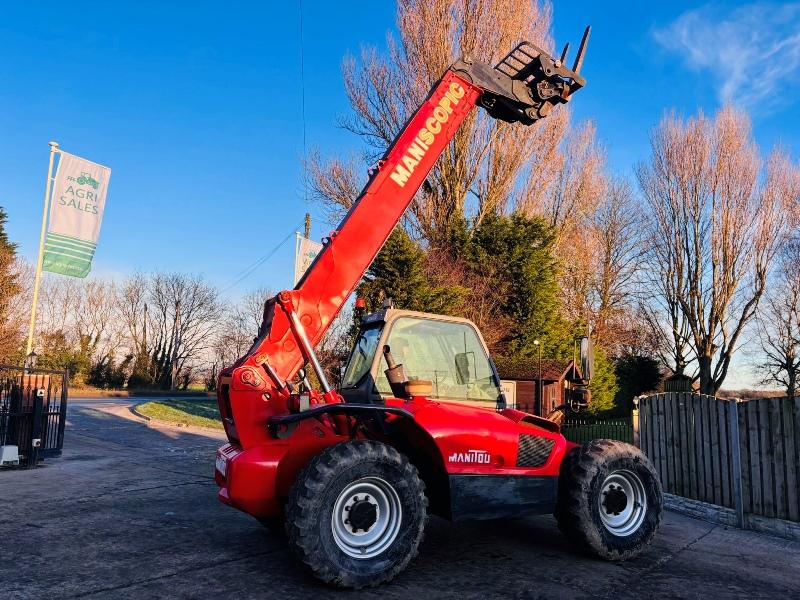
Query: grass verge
{"points": [[200, 413]]}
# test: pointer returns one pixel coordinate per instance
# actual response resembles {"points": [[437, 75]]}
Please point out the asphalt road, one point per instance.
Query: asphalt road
{"points": [[130, 512]]}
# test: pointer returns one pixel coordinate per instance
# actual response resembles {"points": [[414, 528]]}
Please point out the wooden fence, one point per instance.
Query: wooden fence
{"points": [[740, 455]]}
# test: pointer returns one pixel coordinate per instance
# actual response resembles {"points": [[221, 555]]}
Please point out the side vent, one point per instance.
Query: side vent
{"points": [[533, 450]]}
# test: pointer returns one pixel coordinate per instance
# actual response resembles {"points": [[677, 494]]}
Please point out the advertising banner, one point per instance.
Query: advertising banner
{"points": [[76, 213], [305, 253]]}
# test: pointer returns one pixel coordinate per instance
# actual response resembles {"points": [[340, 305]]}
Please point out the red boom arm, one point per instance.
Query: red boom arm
{"points": [[523, 87]]}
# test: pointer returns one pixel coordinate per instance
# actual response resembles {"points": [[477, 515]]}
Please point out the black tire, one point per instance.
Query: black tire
{"points": [[612, 467], [321, 542]]}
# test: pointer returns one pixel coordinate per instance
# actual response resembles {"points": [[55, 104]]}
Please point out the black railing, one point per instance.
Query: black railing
{"points": [[584, 430], [33, 410]]}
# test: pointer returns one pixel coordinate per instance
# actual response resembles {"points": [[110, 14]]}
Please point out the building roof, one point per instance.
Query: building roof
{"points": [[527, 369]]}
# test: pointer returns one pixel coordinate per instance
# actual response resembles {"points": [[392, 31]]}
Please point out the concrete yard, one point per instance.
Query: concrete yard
{"points": [[130, 511]]}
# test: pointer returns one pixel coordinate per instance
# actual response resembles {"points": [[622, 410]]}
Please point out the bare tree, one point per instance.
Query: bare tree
{"points": [[335, 347], [183, 312], [616, 227], [238, 328], [335, 182], [58, 297], [77, 321], [572, 189], [96, 325], [249, 311], [230, 341], [489, 166], [718, 218], [132, 298], [660, 306], [779, 325], [567, 196], [79, 313], [667, 329]]}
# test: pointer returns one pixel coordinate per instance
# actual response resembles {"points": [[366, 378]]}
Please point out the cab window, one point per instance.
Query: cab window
{"points": [[361, 357], [450, 355]]}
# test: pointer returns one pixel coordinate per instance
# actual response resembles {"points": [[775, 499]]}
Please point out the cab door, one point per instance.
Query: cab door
{"points": [[496, 465]]}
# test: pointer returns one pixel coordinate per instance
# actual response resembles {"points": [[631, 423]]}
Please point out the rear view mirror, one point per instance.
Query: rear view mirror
{"points": [[462, 368], [587, 358]]}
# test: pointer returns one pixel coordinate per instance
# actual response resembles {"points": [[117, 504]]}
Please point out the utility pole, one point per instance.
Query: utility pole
{"points": [[144, 331], [143, 361], [175, 343], [539, 386]]}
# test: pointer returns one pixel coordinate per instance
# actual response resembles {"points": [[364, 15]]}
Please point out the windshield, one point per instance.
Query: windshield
{"points": [[448, 354], [361, 358]]}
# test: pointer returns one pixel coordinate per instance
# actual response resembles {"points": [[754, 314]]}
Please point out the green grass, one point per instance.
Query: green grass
{"points": [[200, 413]]}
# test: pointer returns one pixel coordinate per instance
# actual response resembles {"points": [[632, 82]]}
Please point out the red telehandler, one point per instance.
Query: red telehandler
{"points": [[420, 424]]}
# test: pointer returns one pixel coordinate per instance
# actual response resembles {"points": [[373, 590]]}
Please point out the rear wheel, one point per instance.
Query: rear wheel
{"points": [[609, 499], [356, 514]]}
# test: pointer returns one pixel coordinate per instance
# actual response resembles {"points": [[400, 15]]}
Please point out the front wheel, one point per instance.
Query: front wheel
{"points": [[609, 499], [356, 514]]}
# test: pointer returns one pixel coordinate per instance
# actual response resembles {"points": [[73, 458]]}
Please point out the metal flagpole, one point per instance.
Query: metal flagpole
{"points": [[298, 246], [296, 254], [38, 276]]}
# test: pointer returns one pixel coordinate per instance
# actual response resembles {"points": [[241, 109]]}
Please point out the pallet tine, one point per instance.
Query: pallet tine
{"points": [[564, 53], [581, 51]]}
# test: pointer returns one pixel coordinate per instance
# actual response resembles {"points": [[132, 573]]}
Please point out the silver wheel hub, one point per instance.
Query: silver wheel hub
{"points": [[622, 502], [366, 517]]}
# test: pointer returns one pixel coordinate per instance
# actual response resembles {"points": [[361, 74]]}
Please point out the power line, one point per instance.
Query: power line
{"points": [[244, 274], [303, 104]]}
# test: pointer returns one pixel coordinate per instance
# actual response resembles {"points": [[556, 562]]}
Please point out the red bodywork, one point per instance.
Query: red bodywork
{"points": [[443, 438], [258, 479]]}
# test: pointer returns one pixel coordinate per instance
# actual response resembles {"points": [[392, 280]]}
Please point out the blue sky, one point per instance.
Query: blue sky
{"points": [[198, 112], [646, 58]]}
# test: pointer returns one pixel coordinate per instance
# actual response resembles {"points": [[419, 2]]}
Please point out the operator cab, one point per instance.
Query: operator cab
{"points": [[447, 351]]}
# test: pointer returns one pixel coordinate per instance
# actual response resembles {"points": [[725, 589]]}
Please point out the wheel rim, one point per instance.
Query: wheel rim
{"points": [[622, 502], [366, 517]]}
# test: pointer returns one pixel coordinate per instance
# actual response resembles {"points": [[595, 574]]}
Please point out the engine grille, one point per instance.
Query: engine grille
{"points": [[533, 450]]}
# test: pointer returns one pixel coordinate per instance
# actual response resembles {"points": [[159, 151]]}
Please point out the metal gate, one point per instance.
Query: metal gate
{"points": [[33, 411]]}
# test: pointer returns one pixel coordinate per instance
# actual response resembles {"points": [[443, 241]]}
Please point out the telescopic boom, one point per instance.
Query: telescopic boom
{"points": [[523, 87]]}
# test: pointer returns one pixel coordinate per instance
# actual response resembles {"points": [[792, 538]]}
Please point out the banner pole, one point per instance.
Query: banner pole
{"points": [[39, 260], [296, 254]]}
